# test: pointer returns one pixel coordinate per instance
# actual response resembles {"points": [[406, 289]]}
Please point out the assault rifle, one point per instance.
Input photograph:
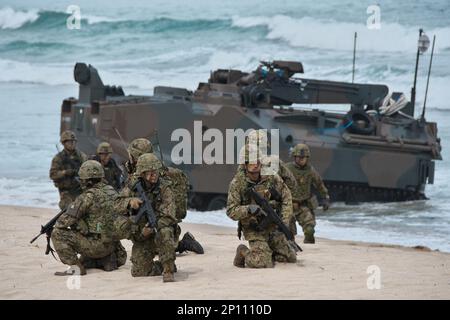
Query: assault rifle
{"points": [[270, 216], [146, 206], [47, 229]]}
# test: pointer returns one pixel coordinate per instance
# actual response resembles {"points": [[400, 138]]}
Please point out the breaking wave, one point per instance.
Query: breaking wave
{"points": [[313, 33]]}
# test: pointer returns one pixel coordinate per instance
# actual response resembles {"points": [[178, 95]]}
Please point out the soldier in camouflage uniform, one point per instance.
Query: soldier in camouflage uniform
{"points": [[266, 245], [147, 242], [304, 202], [86, 228], [136, 148], [64, 169], [260, 139], [180, 185], [113, 174]]}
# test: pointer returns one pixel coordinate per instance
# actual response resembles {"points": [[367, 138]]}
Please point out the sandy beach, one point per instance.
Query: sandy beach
{"points": [[327, 270]]}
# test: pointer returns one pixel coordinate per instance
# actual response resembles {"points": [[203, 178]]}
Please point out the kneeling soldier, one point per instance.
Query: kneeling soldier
{"points": [[86, 227], [147, 242], [267, 244]]}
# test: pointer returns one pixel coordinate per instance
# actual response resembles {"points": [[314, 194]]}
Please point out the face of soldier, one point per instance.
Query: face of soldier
{"points": [[104, 158], [253, 167], [151, 176], [69, 145], [301, 161]]}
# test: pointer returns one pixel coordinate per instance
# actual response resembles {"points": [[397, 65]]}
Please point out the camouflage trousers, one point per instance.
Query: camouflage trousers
{"points": [[121, 257], [145, 250], [262, 254], [69, 243], [305, 218], [66, 198]]}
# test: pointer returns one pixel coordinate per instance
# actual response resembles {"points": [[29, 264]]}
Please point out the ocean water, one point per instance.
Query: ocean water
{"points": [[178, 43]]}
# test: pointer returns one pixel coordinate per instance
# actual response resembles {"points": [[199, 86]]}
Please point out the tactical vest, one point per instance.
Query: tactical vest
{"points": [[100, 218], [112, 173], [304, 179], [69, 162]]}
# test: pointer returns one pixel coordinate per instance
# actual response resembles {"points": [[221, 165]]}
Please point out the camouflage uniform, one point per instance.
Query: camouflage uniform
{"points": [[64, 170], [136, 148], [113, 174], [268, 244], [304, 202], [86, 228], [162, 242]]}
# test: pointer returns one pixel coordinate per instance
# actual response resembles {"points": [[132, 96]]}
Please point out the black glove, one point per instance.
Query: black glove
{"points": [[326, 204]]}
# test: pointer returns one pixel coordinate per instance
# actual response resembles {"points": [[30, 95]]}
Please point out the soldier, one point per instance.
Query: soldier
{"points": [[260, 139], [64, 169], [86, 228], [136, 148], [267, 244], [147, 242], [304, 202], [113, 174], [180, 186]]}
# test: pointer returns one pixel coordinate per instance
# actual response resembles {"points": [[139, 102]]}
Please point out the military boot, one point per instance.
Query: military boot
{"points": [[188, 243], [88, 263], [168, 274], [77, 269], [157, 269], [239, 259], [109, 263], [309, 235]]}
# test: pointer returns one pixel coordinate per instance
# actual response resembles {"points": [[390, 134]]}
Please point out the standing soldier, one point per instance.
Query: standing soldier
{"points": [[304, 202], [266, 243], [64, 169], [146, 241], [113, 174], [86, 228]]}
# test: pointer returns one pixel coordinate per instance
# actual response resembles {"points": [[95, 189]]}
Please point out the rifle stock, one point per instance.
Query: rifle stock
{"points": [[48, 226]]}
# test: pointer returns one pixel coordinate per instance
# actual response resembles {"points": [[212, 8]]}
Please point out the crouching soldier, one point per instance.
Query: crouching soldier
{"points": [[147, 242], [267, 244], [86, 227]]}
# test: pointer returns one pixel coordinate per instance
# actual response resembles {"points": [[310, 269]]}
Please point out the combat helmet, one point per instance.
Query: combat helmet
{"points": [[259, 138], [148, 162], [104, 147], [68, 135], [91, 169], [140, 146], [301, 150], [250, 153]]}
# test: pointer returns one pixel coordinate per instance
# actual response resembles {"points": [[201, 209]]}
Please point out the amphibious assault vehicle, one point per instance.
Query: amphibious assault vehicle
{"points": [[373, 151]]}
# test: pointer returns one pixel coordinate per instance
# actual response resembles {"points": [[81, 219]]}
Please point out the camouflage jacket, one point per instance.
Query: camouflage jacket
{"points": [[306, 177], [113, 174], [91, 212], [160, 195], [239, 201], [64, 169]]}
